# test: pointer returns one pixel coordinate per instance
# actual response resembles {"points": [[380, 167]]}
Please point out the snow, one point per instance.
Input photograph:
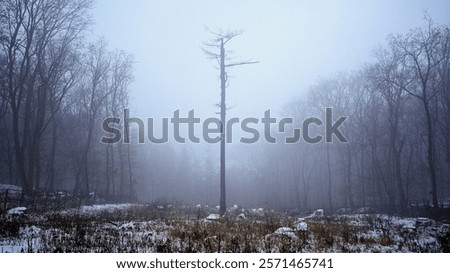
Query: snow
{"points": [[409, 227], [127, 226], [17, 211], [213, 217], [4, 187], [404, 223], [32, 231], [423, 222], [286, 231], [258, 212], [108, 233], [102, 208], [344, 211], [241, 216], [301, 226], [316, 214]]}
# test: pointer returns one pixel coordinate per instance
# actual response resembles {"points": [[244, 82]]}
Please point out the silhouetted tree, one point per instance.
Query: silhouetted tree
{"points": [[222, 57]]}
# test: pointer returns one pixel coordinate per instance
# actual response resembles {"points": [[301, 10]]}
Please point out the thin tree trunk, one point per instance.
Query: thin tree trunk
{"points": [[430, 155], [330, 189], [223, 205], [107, 170], [130, 173], [51, 180]]}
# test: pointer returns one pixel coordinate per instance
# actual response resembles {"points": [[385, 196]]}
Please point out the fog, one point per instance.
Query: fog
{"points": [[296, 42], [366, 83]]}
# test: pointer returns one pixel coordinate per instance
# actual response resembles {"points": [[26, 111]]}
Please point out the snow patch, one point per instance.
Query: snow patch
{"points": [[301, 226], [424, 222], [258, 212], [17, 211], [241, 216], [316, 214], [106, 207], [286, 231], [4, 187], [213, 217]]}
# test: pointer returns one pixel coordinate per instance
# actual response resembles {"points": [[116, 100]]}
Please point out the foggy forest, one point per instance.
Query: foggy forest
{"points": [[385, 171]]}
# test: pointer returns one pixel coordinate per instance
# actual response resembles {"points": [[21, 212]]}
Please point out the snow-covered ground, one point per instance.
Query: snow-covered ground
{"points": [[4, 187], [145, 228], [95, 209]]}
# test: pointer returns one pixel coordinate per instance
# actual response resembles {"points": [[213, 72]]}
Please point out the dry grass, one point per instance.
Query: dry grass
{"points": [[184, 229]]}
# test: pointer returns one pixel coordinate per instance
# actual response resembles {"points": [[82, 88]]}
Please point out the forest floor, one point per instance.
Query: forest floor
{"points": [[151, 228]]}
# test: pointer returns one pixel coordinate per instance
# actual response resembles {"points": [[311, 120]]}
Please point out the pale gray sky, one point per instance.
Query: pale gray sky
{"points": [[296, 42]]}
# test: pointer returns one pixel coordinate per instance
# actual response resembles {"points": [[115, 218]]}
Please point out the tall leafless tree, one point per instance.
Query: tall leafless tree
{"points": [[222, 57]]}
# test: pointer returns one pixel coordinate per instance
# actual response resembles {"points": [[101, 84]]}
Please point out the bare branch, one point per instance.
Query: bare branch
{"points": [[210, 54], [242, 63]]}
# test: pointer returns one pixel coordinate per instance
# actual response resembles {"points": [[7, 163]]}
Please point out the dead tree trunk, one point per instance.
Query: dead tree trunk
{"points": [[219, 42]]}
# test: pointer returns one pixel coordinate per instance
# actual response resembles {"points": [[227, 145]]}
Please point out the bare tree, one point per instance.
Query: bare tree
{"points": [[115, 103], [222, 57], [420, 54], [31, 31], [388, 77]]}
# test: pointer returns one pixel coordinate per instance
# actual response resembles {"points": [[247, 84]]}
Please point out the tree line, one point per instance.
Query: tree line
{"points": [[55, 88], [398, 128], [398, 131]]}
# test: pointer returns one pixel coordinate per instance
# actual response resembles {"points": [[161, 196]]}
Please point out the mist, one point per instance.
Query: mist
{"points": [[303, 49], [363, 85]]}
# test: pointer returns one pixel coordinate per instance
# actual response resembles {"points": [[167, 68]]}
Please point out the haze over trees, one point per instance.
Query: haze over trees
{"points": [[57, 86], [397, 127]]}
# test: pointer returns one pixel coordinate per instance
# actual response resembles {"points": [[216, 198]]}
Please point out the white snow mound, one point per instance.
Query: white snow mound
{"points": [[17, 211], [286, 231], [4, 187], [241, 216], [301, 226], [213, 217]]}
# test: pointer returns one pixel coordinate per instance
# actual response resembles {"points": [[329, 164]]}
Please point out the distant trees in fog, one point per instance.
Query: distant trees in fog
{"points": [[398, 128], [55, 88]]}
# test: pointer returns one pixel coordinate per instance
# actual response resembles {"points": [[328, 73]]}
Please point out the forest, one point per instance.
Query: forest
{"points": [[58, 85]]}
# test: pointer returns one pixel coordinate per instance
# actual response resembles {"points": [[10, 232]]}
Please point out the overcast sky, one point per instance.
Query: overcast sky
{"points": [[296, 42]]}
